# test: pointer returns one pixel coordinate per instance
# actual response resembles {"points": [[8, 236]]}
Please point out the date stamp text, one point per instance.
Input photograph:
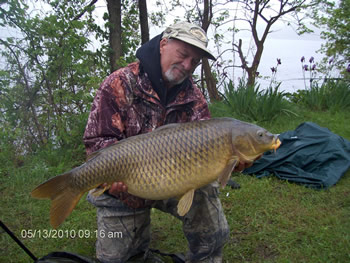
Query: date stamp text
{"points": [[71, 233]]}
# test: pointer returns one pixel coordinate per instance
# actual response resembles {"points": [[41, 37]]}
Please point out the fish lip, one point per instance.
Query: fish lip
{"points": [[276, 144]]}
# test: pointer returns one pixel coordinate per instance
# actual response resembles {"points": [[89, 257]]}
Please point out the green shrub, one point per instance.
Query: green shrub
{"points": [[252, 104], [330, 95]]}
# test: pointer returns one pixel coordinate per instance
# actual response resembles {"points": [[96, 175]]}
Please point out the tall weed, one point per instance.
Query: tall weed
{"points": [[330, 95], [252, 104]]}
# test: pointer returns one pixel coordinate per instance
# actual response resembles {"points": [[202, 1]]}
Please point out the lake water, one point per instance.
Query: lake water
{"points": [[290, 72]]}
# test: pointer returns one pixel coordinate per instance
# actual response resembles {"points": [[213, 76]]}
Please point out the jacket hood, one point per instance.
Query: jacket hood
{"points": [[149, 56]]}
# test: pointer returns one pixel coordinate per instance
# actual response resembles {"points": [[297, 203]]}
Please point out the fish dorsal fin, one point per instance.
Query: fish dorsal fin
{"points": [[185, 203], [93, 155], [226, 173], [98, 152], [167, 126]]}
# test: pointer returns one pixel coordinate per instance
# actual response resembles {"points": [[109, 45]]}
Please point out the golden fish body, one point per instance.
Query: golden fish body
{"points": [[172, 161]]}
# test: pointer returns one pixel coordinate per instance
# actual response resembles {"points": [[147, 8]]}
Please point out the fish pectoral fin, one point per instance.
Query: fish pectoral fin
{"points": [[226, 173], [99, 190], [185, 203]]}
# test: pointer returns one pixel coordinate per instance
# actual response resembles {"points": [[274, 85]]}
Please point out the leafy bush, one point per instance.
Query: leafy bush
{"points": [[252, 104], [330, 95]]}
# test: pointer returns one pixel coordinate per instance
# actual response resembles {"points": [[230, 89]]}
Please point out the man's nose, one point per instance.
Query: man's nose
{"points": [[187, 64]]}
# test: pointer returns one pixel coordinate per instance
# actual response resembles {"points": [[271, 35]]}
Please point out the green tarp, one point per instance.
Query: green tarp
{"points": [[310, 155]]}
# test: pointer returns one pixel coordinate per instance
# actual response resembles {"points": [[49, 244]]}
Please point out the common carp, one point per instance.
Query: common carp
{"points": [[172, 161]]}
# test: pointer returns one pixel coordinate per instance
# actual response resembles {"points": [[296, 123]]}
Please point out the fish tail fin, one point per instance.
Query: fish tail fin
{"points": [[64, 197]]}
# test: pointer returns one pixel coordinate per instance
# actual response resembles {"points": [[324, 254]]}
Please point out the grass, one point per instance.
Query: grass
{"points": [[276, 221], [270, 220]]}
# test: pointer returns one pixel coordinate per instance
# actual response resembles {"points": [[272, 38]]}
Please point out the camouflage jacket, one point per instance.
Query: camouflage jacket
{"points": [[132, 101], [126, 105]]}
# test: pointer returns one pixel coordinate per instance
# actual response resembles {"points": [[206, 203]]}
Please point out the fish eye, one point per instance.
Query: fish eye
{"points": [[260, 134]]}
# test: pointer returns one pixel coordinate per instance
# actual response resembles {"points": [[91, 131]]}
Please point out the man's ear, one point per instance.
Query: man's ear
{"points": [[162, 43]]}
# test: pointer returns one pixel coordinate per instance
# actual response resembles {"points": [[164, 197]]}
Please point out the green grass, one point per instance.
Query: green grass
{"points": [[270, 220], [274, 221]]}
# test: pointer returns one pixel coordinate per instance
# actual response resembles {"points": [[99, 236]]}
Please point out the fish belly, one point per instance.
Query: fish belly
{"points": [[172, 161]]}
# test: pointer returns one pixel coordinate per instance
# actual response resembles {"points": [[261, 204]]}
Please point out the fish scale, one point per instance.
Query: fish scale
{"points": [[172, 161]]}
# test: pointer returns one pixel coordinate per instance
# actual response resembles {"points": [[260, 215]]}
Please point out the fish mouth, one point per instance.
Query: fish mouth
{"points": [[276, 144]]}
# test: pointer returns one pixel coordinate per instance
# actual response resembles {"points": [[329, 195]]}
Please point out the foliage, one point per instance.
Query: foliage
{"points": [[330, 95], [131, 36], [250, 103], [324, 92], [52, 69], [333, 16], [49, 75]]}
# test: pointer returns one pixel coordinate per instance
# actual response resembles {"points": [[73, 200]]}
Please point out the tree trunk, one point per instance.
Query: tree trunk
{"points": [[256, 8], [143, 21], [115, 33], [254, 68], [210, 81], [209, 78]]}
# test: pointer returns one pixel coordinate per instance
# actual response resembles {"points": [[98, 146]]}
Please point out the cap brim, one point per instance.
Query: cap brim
{"points": [[193, 43]]}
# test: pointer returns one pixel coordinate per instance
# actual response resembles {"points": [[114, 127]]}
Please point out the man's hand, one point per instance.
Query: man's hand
{"points": [[242, 165], [117, 188], [120, 190]]}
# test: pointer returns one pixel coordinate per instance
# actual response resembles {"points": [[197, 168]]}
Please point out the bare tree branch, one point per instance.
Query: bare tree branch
{"points": [[86, 8]]}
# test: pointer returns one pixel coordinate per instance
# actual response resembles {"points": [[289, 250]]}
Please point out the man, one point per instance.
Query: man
{"points": [[156, 90]]}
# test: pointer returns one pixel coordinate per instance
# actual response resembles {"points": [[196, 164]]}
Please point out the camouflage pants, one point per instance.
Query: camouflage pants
{"points": [[125, 232]]}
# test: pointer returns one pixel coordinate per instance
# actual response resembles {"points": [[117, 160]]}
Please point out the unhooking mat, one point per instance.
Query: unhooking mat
{"points": [[310, 155]]}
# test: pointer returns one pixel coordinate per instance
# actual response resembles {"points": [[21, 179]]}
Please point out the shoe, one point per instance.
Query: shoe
{"points": [[233, 184]]}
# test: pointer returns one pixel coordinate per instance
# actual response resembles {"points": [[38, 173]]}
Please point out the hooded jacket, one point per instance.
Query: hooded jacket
{"points": [[149, 56], [133, 100]]}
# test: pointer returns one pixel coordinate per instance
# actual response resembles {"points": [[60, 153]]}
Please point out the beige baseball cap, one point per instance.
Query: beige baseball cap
{"points": [[191, 34]]}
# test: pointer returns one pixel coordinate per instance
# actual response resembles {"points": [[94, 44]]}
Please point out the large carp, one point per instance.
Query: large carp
{"points": [[171, 161]]}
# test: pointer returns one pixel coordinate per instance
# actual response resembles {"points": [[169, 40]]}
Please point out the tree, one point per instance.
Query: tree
{"points": [[265, 12], [201, 13], [143, 20], [206, 16], [49, 72], [258, 17], [115, 32], [122, 31], [335, 18]]}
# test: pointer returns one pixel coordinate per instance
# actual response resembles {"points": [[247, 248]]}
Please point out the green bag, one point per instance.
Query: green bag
{"points": [[310, 155]]}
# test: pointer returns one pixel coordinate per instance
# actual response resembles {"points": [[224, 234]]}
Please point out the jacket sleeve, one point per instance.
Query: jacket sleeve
{"points": [[105, 123], [200, 107]]}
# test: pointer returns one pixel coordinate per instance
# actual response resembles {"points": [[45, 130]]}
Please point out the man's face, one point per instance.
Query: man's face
{"points": [[178, 60]]}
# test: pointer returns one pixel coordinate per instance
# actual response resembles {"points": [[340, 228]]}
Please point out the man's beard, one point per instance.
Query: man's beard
{"points": [[172, 78]]}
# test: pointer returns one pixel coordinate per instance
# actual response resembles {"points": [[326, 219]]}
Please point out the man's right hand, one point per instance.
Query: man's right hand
{"points": [[120, 190]]}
